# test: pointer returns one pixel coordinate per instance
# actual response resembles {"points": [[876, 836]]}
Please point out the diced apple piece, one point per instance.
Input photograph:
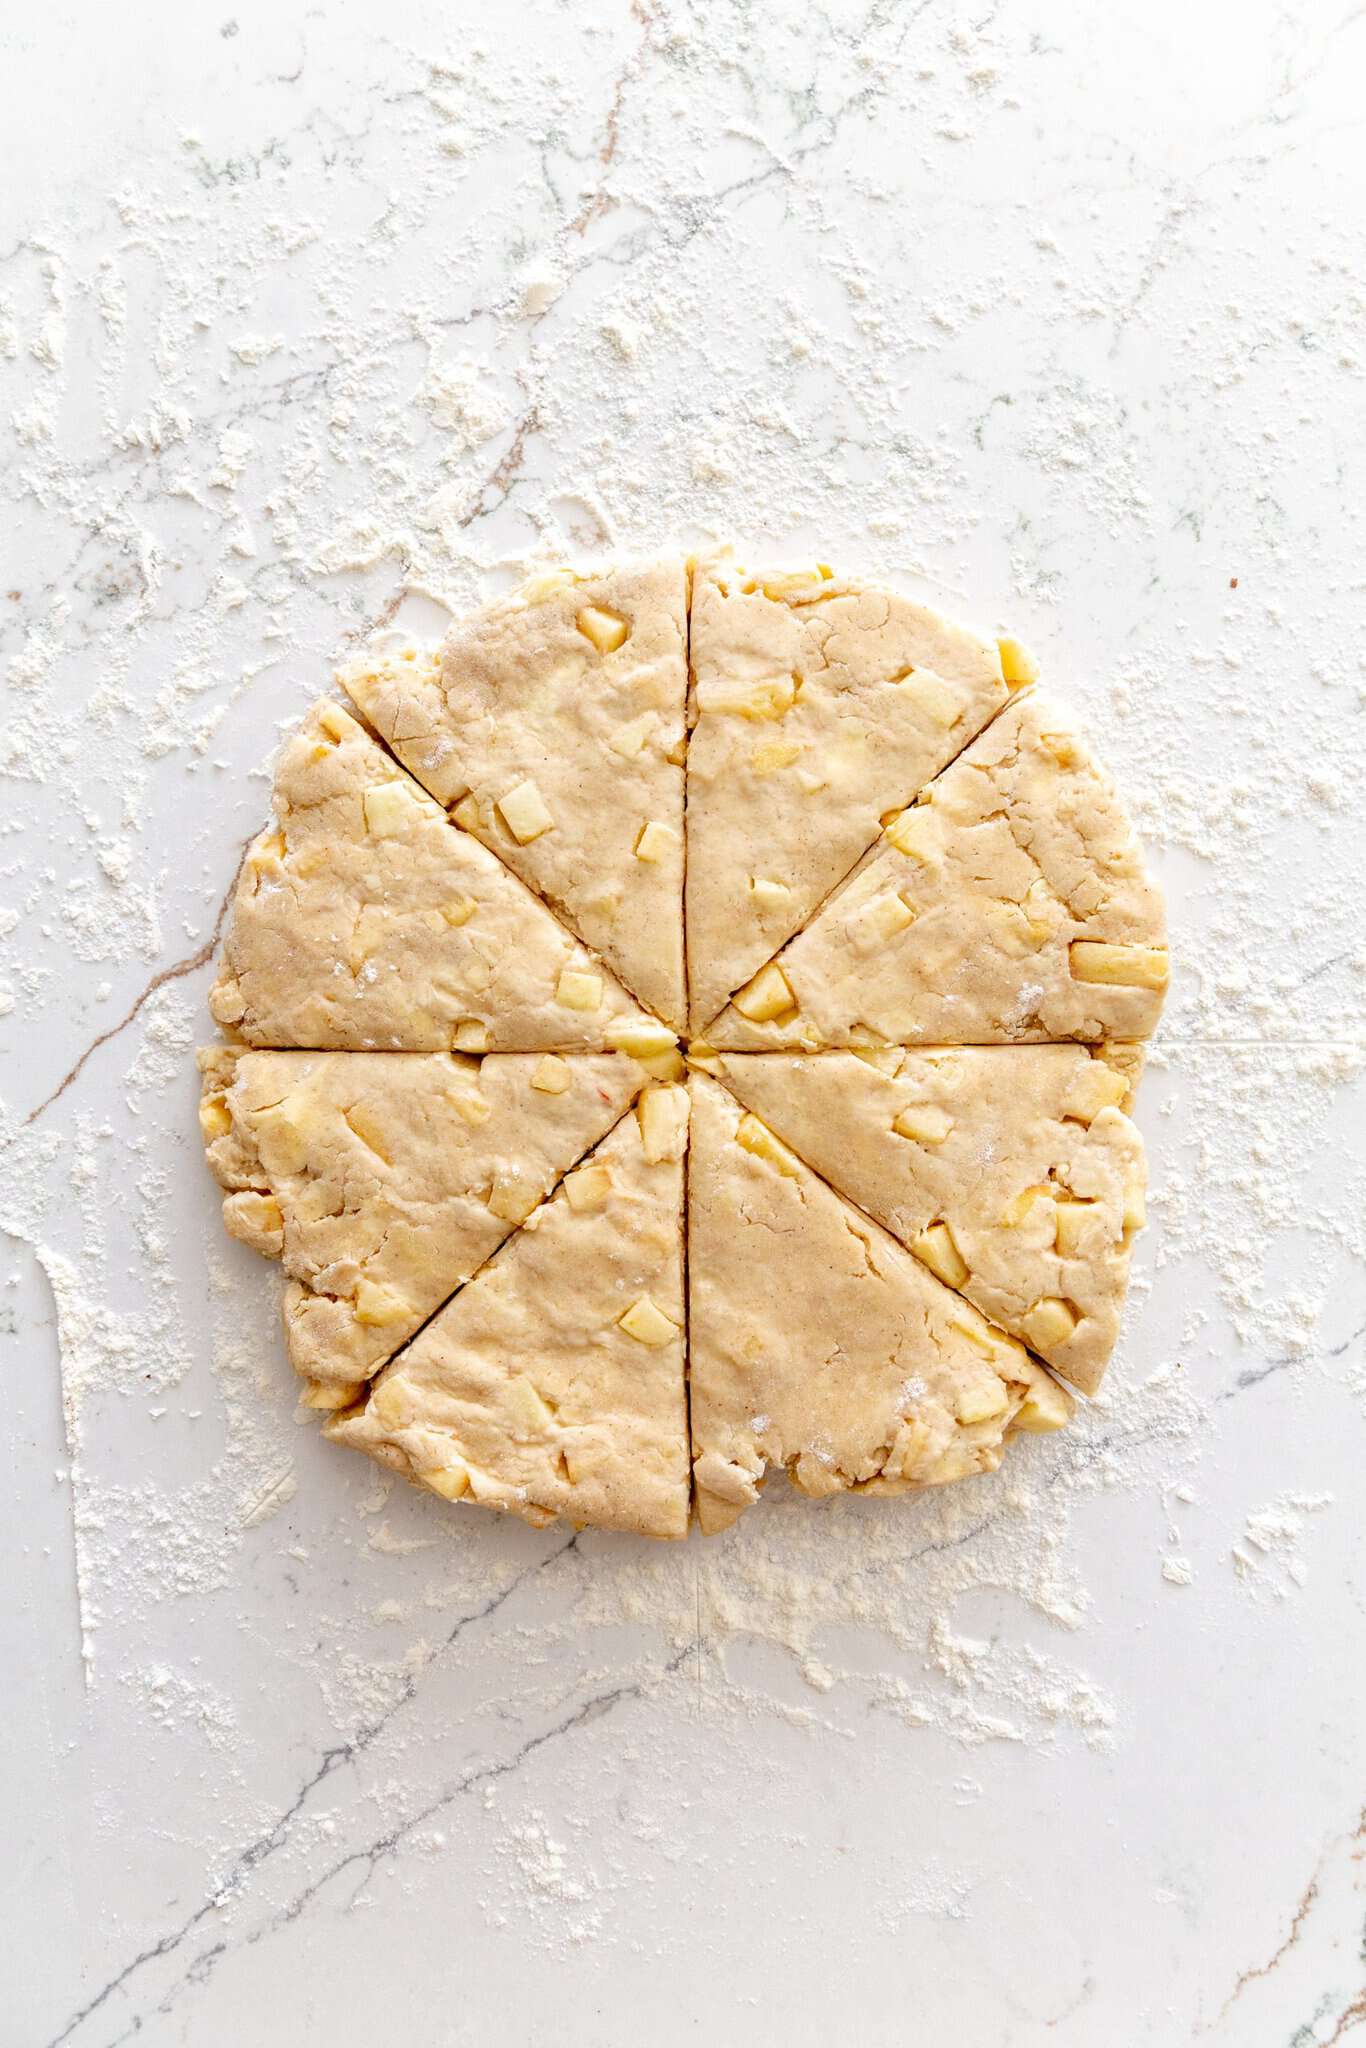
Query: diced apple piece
{"points": [[936, 1248], [533, 1413], [1071, 1225], [1118, 966], [390, 809], [215, 1118], [654, 841], [647, 1323], [511, 1199], [652, 1045], [1049, 1323], [378, 1306], [334, 721], [588, 1189], [1046, 1406], [917, 833], [1135, 1209], [884, 1059], [767, 996], [981, 1400], [552, 1076], [329, 1395], [883, 918], [662, 1114], [389, 1403], [451, 1480], [366, 1126], [606, 630], [772, 698], [525, 813], [771, 755], [268, 853], [1096, 1088], [578, 990], [641, 1037], [924, 1122], [1017, 665], [256, 1219], [753, 1136]]}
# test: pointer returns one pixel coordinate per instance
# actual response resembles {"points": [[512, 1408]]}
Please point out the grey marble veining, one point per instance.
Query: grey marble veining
{"points": [[314, 322]]}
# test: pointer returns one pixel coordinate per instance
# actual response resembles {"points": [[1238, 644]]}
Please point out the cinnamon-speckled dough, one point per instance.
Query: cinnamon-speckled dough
{"points": [[534, 695], [817, 704], [384, 1180], [366, 920], [1022, 1152], [961, 928], [818, 1344], [553, 1384]]}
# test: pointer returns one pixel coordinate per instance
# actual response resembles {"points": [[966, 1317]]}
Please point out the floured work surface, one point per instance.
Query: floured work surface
{"points": [[688, 1031]]}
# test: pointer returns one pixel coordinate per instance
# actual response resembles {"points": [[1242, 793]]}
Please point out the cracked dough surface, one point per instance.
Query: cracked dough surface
{"points": [[922, 956]]}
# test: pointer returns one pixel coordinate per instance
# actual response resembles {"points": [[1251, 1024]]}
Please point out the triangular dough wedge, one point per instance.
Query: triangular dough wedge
{"points": [[552, 723], [817, 1343], [365, 920], [554, 1383], [1010, 1171], [818, 704], [1010, 903], [384, 1180]]}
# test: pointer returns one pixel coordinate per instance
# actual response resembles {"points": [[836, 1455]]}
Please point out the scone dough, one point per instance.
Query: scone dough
{"points": [[894, 911], [552, 725], [383, 1182], [1009, 904], [1011, 1171], [818, 1344], [366, 920], [553, 1384], [817, 704]]}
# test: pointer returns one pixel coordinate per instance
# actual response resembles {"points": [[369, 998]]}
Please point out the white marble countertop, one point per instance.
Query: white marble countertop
{"points": [[314, 317]]}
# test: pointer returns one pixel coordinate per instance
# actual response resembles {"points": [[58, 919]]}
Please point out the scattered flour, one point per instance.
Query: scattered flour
{"points": [[212, 500], [1268, 1560]]}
